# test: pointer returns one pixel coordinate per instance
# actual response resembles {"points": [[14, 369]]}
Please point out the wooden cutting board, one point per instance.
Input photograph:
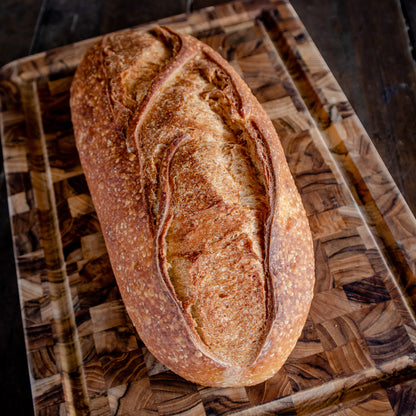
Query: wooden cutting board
{"points": [[357, 353]]}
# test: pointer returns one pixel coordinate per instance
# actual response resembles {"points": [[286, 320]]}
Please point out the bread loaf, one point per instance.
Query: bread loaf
{"points": [[205, 229]]}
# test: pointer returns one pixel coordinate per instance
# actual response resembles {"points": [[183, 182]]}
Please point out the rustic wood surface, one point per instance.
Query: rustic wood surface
{"points": [[355, 286], [369, 52]]}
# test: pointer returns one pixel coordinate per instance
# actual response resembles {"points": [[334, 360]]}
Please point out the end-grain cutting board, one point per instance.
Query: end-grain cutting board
{"points": [[357, 353]]}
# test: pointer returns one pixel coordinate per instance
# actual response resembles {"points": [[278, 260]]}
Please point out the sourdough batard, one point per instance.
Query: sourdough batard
{"points": [[205, 230]]}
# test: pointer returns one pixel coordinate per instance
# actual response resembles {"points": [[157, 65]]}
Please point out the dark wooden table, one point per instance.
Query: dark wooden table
{"points": [[368, 45]]}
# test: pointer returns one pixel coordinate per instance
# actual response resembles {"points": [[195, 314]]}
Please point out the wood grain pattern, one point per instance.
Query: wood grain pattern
{"points": [[357, 353], [351, 37]]}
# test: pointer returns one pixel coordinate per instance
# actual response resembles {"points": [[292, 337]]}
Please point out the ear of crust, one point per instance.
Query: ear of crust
{"points": [[205, 230]]}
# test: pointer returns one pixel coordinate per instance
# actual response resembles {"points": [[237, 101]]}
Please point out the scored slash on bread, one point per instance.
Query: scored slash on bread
{"points": [[205, 229]]}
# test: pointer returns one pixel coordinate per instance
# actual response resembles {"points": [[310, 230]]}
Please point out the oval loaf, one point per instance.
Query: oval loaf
{"points": [[205, 229]]}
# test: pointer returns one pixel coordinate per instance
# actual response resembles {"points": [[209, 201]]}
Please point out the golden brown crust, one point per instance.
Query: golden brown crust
{"points": [[205, 229]]}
